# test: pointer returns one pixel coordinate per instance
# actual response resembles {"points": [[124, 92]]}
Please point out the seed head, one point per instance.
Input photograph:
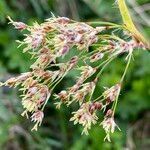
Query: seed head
{"points": [[109, 125], [17, 25], [84, 117]]}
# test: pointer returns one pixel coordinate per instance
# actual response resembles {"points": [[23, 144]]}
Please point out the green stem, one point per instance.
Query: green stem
{"points": [[92, 92], [111, 37], [99, 98], [53, 89], [89, 53], [106, 63], [103, 23], [46, 101], [60, 79], [115, 103], [127, 66], [123, 76]]}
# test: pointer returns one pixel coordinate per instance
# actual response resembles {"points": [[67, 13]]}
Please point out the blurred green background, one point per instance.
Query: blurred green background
{"points": [[56, 132]]}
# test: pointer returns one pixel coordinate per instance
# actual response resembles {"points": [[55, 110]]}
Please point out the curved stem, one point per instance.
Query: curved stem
{"points": [[106, 63], [107, 36], [127, 66], [46, 101], [53, 89], [103, 23], [99, 98], [115, 103], [122, 78], [92, 92]]}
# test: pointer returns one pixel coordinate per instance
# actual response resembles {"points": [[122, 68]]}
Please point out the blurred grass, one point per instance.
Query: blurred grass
{"points": [[57, 132]]}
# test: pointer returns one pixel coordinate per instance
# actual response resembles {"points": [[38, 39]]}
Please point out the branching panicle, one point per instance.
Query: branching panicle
{"points": [[54, 39]]}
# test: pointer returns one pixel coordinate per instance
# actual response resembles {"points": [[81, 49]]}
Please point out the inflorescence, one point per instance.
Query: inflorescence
{"points": [[54, 39]]}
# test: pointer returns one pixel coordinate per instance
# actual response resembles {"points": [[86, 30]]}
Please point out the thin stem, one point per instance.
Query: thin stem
{"points": [[123, 76], [53, 89], [60, 79], [115, 103], [111, 37], [99, 98], [92, 92], [46, 101], [107, 62], [89, 53], [127, 66], [103, 23]]}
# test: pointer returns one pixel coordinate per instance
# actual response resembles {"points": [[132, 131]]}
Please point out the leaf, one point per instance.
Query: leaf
{"points": [[129, 25]]}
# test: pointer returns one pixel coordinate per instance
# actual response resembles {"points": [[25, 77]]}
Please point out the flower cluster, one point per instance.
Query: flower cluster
{"points": [[86, 115], [49, 43], [34, 95], [109, 126], [110, 94]]}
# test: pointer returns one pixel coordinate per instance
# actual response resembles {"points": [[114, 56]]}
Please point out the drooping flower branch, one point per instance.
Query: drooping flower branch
{"points": [[53, 40]]}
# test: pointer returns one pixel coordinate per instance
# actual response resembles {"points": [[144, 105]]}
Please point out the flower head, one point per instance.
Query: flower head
{"points": [[111, 93], [34, 40], [17, 25], [86, 72], [50, 42], [37, 117], [63, 96], [109, 125], [96, 57], [84, 117]]}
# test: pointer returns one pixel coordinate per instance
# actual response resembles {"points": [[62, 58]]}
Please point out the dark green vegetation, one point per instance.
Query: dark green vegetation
{"points": [[57, 132]]}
